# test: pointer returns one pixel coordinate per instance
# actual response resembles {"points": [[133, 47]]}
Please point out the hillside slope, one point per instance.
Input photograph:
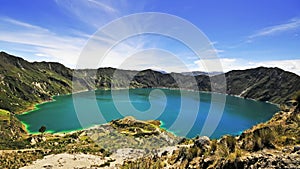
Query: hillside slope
{"points": [[264, 84], [23, 83]]}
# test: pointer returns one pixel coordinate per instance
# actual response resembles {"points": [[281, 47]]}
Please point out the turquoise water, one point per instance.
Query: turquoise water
{"points": [[101, 106]]}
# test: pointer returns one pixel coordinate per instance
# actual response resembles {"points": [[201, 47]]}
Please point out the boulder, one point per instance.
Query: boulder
{"points": [[32, 141], [202, 141], [296, 148]]}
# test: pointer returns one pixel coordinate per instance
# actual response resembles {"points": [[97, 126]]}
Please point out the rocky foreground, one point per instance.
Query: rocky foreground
{"points": [[274, 144], [107, 145], [131, 143]]}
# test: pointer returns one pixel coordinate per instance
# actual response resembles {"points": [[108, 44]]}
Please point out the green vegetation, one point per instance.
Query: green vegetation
{"points": [[131, 133], [100, 141], [133, 127], [11, 131], [24, 84], [4, 115], [297, 100], [42, 129]]}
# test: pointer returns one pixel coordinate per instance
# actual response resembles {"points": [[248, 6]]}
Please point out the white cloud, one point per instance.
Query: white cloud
{"points": [[66, 49], [94, 13], [43, 42], [292, 24], [41, 55], [214, 65], [129, 54], [23, 24], [152, 58], [103, 6], [241, 64], [288, 65]]}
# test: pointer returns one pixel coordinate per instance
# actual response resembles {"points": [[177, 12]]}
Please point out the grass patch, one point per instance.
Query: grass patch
{"points": [[4, 115]]}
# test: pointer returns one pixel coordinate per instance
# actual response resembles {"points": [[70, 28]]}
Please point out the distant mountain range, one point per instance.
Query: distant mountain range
{"points": [[197, 73], [23, 83]]}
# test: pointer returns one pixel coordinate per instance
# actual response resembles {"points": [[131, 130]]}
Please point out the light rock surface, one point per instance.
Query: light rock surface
{"points": [[85, 161], [67, 161]]}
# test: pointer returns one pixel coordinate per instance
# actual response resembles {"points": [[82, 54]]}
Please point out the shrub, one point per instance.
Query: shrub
{"points": [[106, 164], [297, 97], [192, 153], [231, 142], [263, 137], [213, 146], [223, 151]]}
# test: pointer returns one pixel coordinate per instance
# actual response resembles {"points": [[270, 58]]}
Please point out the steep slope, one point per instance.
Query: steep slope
{"points": [[264, 84], [23, 83], [11, 131]]}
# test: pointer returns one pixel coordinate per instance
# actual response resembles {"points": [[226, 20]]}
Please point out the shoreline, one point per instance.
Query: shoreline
{"points": [[35, 106], [210, 92]]}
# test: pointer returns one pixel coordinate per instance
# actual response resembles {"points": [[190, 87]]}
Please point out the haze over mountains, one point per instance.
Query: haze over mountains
{"points": [[23, 83], [196, 73]]}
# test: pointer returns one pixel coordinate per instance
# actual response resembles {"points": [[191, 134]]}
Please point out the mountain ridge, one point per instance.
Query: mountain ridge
{"points": [[24, 83]]}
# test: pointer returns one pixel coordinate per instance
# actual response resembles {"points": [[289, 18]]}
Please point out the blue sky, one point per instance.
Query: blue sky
{"points": [[245, 34]]}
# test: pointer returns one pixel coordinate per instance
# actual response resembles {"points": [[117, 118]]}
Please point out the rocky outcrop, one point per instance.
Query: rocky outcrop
{"points": [[131, 133], [202, 141]]}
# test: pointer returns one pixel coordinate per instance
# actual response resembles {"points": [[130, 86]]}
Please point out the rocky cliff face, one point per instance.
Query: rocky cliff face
{"points": [[23, 83]]}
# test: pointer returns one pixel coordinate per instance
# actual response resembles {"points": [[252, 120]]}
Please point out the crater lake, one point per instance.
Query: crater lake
{"points": [[86, 109]]}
